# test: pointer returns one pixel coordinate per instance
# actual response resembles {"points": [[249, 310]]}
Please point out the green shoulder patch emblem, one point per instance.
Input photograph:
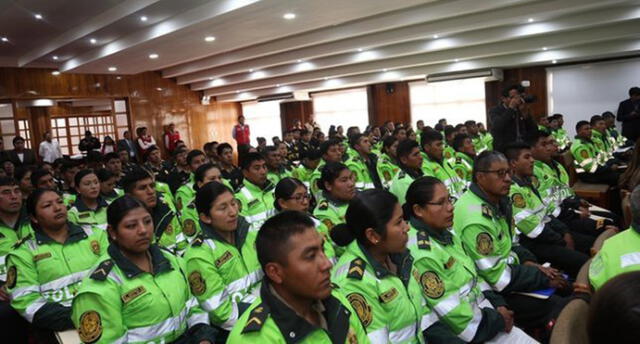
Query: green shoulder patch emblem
{"points": [[484, 243], [518, 200], [362, 308], [197, 283], [432, 285], [356, 269]]}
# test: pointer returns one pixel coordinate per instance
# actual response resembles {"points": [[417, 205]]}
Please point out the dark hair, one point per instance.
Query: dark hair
{"points": [[120, 207], [580, 124], [7, 181], [608, 114], [285, 188], [483, 162], [438, 127], [37, 174], [429, 136], [249, 158], [110, 156], [506, 90], [104, 175], [207, 146], [469, 122], [81, 174], [614, 313], [274, 234], [595, 119], [405, 147], [21, 171], [396, 130], [324, 146], [355, 139], [179, 150], [33, 199], [17, 138], [420, 192], [458, 141], [448, 130], [370, 209], [200, 172], [193, 154], [533, 138], [513, 150], [388, 142], [312, 154], [221, 147], [330, 173], [209, 193], [634, 91], [135, 175]]}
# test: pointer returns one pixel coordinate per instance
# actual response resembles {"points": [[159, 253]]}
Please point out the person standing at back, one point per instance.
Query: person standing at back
{"points": [[241, 133], [629, 114], [171, 138], [510, 120], [49, 151], [21, 156]]}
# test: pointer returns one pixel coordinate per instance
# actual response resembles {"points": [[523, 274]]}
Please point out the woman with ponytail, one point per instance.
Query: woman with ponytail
{"points": [[376, 271], [447, 273]]}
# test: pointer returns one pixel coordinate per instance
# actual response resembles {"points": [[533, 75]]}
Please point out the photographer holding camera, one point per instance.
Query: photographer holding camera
{"points": [[511, 120]]}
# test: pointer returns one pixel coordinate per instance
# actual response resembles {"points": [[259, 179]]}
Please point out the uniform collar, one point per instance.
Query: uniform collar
{"points": [[255, 188], [403, 261], [76, 233], [79, 204], [23, 219], [111, 195], [415, 174], [334, 201], [444, 237], [159, 262], [240, 233], [295, 329], [503, 207]]}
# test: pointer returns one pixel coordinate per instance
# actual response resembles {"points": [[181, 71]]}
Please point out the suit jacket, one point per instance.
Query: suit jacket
{"points": [[508, 125], [630, 124], [129, 146], [28, 160]]}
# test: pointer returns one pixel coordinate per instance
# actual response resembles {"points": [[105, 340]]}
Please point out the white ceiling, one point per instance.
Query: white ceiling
{"points": [[330, 43]]}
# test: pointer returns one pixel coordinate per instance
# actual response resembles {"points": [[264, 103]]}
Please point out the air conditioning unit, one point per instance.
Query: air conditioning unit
{"points": [[271, 97], [491, 74]]}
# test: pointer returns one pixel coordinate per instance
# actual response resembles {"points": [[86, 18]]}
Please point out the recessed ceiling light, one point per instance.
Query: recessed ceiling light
{"points": [[153, 56], [209, 39], [118, 77], [554, 61], [237, 91], [299, 60], [143, 18], [289, 16], [530, 20], [544, 48], [113, 69], [55, 72], [55, 57], [250, 70], [38, 16], [360, 49], [5, 39], [456, 60], [384, 70], [277, 85], [210, 78], [93, 41], [435, 36]]}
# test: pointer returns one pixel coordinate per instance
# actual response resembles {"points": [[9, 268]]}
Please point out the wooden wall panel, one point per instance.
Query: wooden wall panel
{"points": [[293, 111], [389, 102], [536, 75]]}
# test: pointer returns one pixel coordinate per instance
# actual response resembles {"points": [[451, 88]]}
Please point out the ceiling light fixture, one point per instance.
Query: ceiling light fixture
{"points": [[544, 48], [209, 39], [456, 60], [5, 39], [237, 91], [289, 16], [143, 18], [299, 60], [118, 77], [54, 57], [113, 69], [93, 41], [326, 78], [38, 16], [530, 20], [153, 56], [436, 36], [384, 70], [55, 72], [210, 78], [277, 85], [158, 89], [554, 61], [360, 49], [250, 70]]}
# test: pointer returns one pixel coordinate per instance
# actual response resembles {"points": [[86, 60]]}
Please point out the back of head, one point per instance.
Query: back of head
{"points": [[134, 175], [274, 234], [634, 91], [312, 154]]}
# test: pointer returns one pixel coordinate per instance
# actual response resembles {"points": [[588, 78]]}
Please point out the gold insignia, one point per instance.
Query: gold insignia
{"points": [[179, 205], [169, 229], [133, 293], [12, 275], [386, 175], [518, 200], [90, 327], [197, 284], [95, 247], [460, 173], [484, 243], [584, 154], [189, 227], [351, 337], [389, 295], [449, 263], [432, 285], [84, 215], [362, 308], [535, 182], [223, 259], [599, 223], [328, 224], [41, 256], [416, 275]]}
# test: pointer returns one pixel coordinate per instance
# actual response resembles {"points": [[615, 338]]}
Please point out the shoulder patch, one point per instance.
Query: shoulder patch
{"points": [[584, 154], [486, 211], [356, 269], [198, 240], [518, 200], [102, 271], [90, 329], [328, 224], [432, 285], [362, 308], [484, 243], [196, 283], [324, 205], [189, 227], [257, 318], [423, 241], [21, 241]]}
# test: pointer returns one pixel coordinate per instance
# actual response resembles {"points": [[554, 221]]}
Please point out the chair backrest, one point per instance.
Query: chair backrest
{"points": [[626, 207], [583, 274], [567, 162], [571, 326], [597, 245]]}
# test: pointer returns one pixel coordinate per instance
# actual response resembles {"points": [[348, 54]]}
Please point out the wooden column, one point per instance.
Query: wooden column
{"points": [[290, 112], [389, 102]]}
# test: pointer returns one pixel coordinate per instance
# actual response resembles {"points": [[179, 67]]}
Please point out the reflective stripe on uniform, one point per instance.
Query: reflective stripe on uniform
{"points": [[534, 233], [379, 336], [34, 307], [215, 301], [258, 217], [244, 282], [247, 194], [472, 327], [504, 280], [64, 281], [450, 303], [488, 262], [404, 334], [363, 185], [629, 259], [148, 333], [428, 320], [20, 292], [233, 317], [523, 214]]}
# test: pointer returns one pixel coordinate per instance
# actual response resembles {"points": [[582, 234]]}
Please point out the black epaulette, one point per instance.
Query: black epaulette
{"points": [[198, 240], [191, 205], [458, 160], [21, 241], [423, 241], [238, 188], [486, 211], [102, 271], [356, 269], [324, 205], [401, 174], [334, 286], [257, 318]]}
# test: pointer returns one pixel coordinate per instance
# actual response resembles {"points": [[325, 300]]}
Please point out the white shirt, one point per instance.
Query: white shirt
{"points": [[49, 151]]}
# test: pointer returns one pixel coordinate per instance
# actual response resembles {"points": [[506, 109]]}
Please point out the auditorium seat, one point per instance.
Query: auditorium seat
{"points": [[597, 245], [571, 326], [597, 194]]}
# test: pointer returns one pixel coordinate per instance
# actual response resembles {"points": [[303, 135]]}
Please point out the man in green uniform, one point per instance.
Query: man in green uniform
{"points": [[363, 163], [591, 164], [617, 140], [167, 228], [185, 193], [433, 163], [410, 159], [256, 193], [483, 219], [449, 134], [276, 169], [330, 151], [560, 134], [296, 303], [478, 143], [600, 137], [487, 138], [463, 159], [308, 164]]}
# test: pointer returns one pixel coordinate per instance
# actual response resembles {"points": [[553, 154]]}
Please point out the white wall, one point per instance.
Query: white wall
{"points": [[581, 91]]}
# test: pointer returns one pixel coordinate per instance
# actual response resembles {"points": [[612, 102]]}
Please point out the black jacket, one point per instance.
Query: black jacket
{"points": [[630, 123], [29, 158], [508, 125]]}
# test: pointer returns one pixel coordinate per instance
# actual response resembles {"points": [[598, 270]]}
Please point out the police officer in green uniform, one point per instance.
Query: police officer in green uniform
{"points": [[617, 140], [449, 134], [159, 168], [600, 137], [479, 143], [292, 194], [487, 138], [591, 165], [89, 208], [185, 193], [434, 164], [296, 302], [463, 306], [540, 232], [462, 163], [560, 134], [137, 293], [108, 190], [256, 193], [276, 168], [68, 170], [45, 268], [338, 188], [363, 163], [410, 163], [388, 164], [221, 261], [330, 152], [167, 229], [376, 271], [308, 164], [189, 216], [483, 219]]}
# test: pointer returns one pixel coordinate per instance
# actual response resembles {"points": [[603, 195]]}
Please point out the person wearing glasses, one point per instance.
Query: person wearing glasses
{"points": [[292, 194], [484, 220], [446, 272]]}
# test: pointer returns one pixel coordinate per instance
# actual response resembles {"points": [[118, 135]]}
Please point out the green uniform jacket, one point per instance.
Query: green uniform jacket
{"points": [[365, 172], [451, 285], [43, 275], [449, 153], [119, 303], [488, 238], [190, 221], [479, 144], [315, 178], [586, 157], [256, 204], [185, 194], [81, 215], [112, 196], [619, 254], [443, 171], [531, 214], [330, 212], [401, 182], [463, 166], [303, 173], [552, 182], [9, 236], [603, 144], [224, 277], [562, 138], [167, 228], [389, 306], [275, 176], [69, 199], [487, 138], [167, 196], [387, 169], [269, 320]]}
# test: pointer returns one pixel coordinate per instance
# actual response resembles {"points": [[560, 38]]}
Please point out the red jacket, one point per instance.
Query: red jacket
{"points": [[170, 140], [241, 134]]}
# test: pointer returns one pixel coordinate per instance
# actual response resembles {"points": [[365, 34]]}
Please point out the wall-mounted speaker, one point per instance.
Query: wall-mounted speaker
{"points": [[390, 87]]}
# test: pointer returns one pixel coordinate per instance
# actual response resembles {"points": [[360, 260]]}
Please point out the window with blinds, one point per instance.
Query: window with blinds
{"points": [[344, 107]]}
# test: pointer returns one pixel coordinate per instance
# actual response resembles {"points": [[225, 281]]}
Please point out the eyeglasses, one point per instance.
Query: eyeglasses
{"points": [[301, 197], [500, 173], [446, 201]]}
